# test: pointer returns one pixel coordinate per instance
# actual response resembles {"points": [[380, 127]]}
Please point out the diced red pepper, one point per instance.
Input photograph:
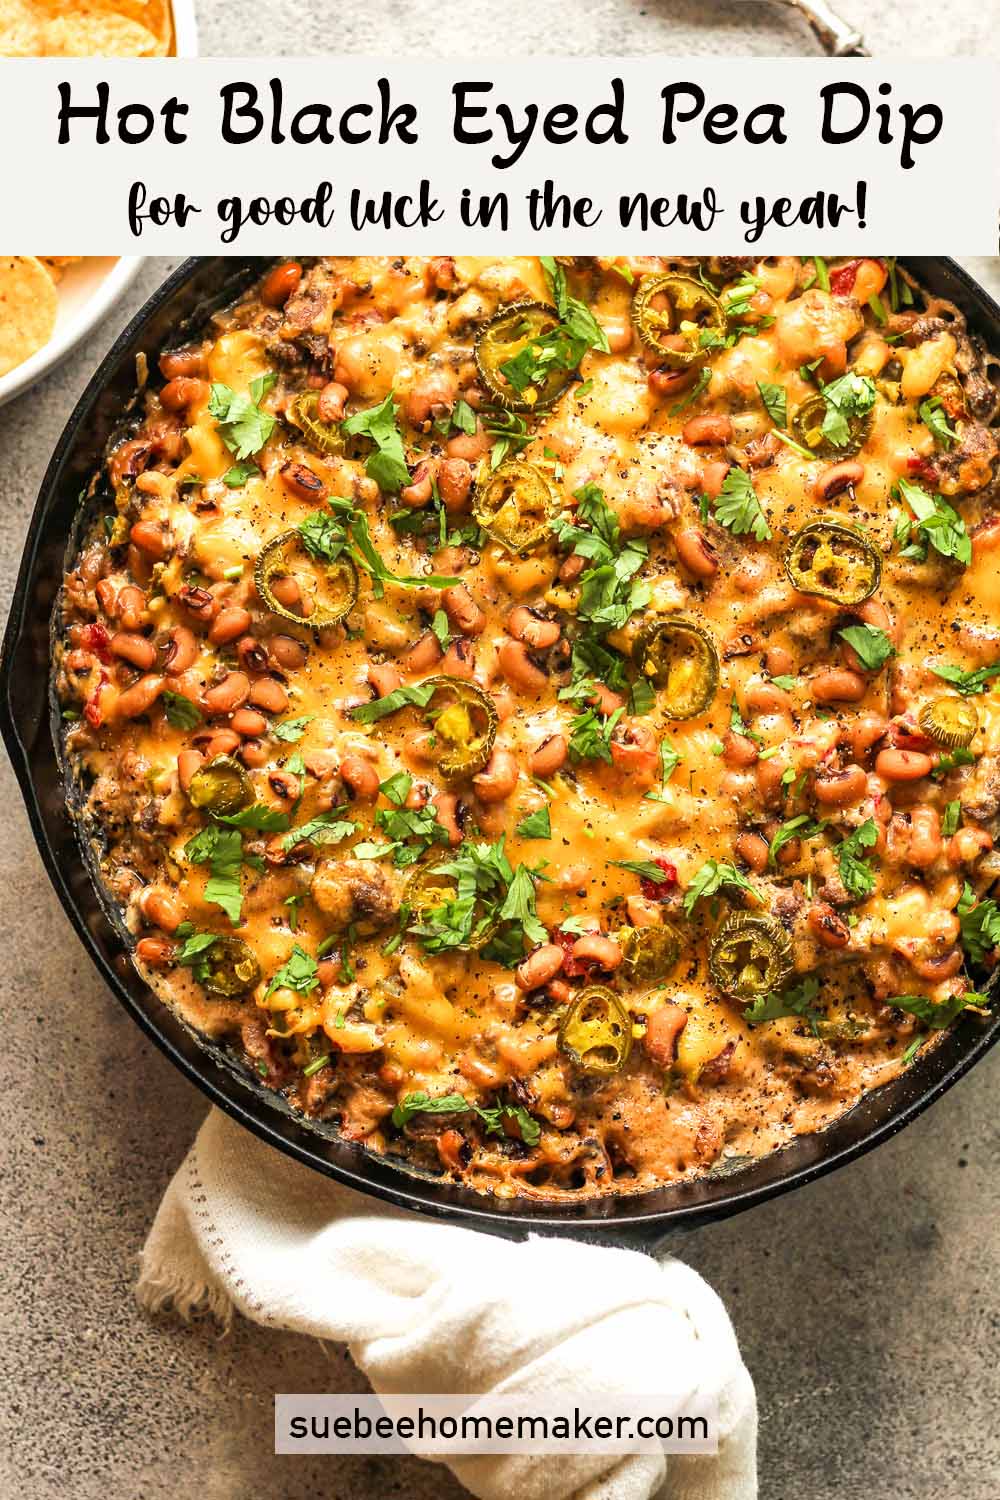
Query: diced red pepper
{"points": [[659, 890], [92, 710], [96, 639], [843, 278], [923, 468]]}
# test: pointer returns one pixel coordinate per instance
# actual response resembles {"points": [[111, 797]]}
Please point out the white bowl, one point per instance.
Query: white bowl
{"points": [[185, 28], [87, 292]]}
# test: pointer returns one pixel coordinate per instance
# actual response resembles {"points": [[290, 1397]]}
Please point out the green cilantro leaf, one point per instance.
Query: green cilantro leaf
{"points": [[519, 906], [241, 424], [968, 683], [942, 526], [291, 730], [798, 1001], [222, 850], [419, 694], [802, 827], [325, 828], [775, 399], [240, 473], [856, 873], [850, 396], [387, 464], [644, 868], [935, 419], [938, 1014], [979, 922], [537, 825], [180, 711], [713, 875], [738, 508], [420, 1103], [951, 818], [258, 816], [396, 788], [872, 645], [300, 973]]}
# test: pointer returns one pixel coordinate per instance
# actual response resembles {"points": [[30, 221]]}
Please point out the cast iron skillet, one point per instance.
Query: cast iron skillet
{"points": [[28, 722]]}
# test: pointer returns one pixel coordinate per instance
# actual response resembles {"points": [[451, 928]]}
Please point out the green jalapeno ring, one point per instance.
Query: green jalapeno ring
{"points": [[750, 956], [692, 309], [220, 788], [323, 437], [272, 563], [833, 561], [648, 953], [229, 967], [680, 658], [807, 429], [465, 721], [596, 1031], [516, 504], [952, 722], [511, 329], [428, 883]]}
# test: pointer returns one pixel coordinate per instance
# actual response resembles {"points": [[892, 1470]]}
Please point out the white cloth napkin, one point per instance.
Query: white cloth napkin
{"points": [[426, 1307]]}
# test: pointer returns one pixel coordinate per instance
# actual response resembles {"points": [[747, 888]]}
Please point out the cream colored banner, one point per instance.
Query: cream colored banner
{"points": [[171, 156]]}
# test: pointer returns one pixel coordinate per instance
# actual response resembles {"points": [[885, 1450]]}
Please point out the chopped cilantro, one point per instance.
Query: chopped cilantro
{"points": [[180, 711], [856, 873], [241, 424], [935, 419], [968, 683], [387, 463], [291, 730], [713, 875], [798, 1001], [738, 508], [775, 401], [941, 526], [537, 825], [872, 646]]}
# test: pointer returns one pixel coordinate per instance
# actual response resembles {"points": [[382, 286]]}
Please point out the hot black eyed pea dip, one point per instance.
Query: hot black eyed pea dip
{"points": [[543, 715]]}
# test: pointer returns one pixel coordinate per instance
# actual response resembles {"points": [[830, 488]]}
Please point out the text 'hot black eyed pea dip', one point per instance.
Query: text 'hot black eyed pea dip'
{"points": [[543, 712]]}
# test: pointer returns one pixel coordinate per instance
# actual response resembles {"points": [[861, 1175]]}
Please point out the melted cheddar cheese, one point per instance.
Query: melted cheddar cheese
{"points": [[807, 788]]}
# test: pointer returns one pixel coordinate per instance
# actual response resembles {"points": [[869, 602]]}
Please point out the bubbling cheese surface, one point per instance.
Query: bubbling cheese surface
{"points": [[806, 788]]}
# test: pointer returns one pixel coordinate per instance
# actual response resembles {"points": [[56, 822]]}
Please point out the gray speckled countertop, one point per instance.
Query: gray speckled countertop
{"points": [[866, 1304]]}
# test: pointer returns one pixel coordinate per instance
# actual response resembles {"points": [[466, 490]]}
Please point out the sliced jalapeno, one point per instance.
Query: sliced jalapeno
{"points": [[678, 318], [951, 722], [750, 956], [229, 967], [322, 436], [221, 788], [596, 1031], [680, 658], [433, 887], [649, 953], [511, 331], [515, 505], [340, 580], [807, 429], [465, 726], [833, 562]]}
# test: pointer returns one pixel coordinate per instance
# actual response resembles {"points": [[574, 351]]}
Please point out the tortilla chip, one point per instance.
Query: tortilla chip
{"points": [[92, 30], [55, 264], [28, 306], [20, 35], [85, 28], [155, 15]]}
